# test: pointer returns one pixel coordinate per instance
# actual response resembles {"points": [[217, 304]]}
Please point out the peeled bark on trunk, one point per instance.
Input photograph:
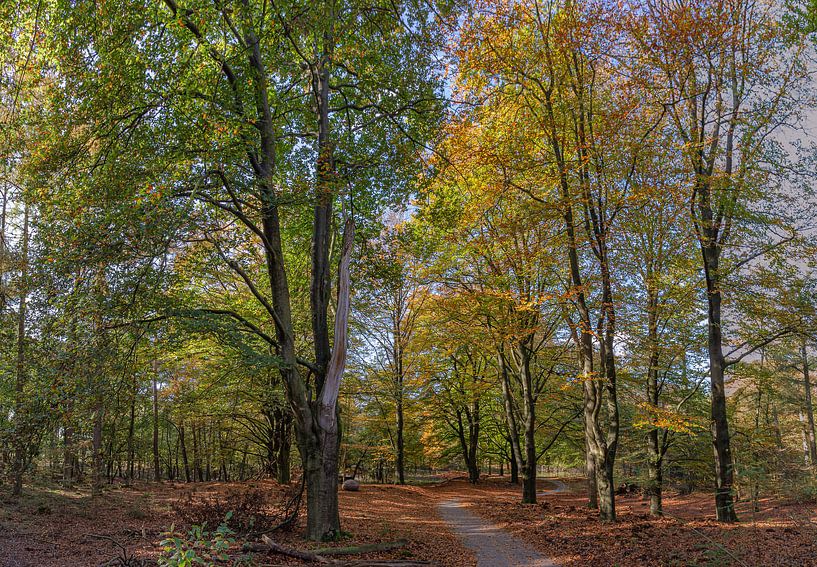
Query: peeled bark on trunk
{"points": [[314, 406], [320, 444]]}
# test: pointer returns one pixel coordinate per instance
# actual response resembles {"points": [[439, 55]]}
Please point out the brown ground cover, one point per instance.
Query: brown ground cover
{"points": [[561, 526], [51, 527]]}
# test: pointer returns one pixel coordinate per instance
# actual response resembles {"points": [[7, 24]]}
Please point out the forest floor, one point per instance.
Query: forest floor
{"points": [[52, 527]]}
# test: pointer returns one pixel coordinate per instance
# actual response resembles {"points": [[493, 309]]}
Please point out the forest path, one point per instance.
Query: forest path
{"points": [[493, 546], [560, 488]]}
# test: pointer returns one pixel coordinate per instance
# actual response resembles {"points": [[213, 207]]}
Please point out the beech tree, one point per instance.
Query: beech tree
{"points": [[708, 89], [262, 111]]}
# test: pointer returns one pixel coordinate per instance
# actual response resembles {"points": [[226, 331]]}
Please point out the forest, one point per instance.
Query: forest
{"points": [[382, 283]]}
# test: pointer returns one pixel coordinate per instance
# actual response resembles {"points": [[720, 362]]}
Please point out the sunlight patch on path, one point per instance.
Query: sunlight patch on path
{"points": [[492, 546], [560, 488]]}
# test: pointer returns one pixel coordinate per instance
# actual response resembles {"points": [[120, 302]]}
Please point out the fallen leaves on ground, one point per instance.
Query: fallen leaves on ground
{"points": [[51, 527]]}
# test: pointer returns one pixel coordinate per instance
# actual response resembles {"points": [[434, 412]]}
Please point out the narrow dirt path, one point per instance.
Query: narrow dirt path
{"points": [[492, 546]]}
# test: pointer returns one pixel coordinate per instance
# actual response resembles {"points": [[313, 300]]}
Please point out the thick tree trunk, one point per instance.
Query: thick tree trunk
{"points": [[590, 472], [314, 407], [284, 434], [724, 473], [320, 442], [654, 473], [514, 466], [320, 459], [529, 466]]}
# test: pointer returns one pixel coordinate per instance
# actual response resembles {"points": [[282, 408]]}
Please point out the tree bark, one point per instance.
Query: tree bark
{"points": [[314, 407], [96, 448], [529, 415], [157, 469], [654, 448], [400, 465], [510, 418], [184, 453], [808, 406], [590, 473], [284, 443], [20, 426], [724, 473]]}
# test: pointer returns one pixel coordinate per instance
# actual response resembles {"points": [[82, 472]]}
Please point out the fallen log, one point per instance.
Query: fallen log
{"points": [[383, 563], [270, 546], [358, 549]]}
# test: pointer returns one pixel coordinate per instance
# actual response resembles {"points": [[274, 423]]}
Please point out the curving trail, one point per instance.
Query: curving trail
{"points": [[493, 546]]}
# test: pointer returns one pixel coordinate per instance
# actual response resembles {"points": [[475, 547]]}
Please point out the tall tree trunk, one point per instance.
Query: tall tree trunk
{"points": [[68, 458], [20, 426], [470, 441], [285, 449], [807, 405], [590, 473], [510, 418], [473, 441], [514, 472], [197, 472], [184, 453], [315, 410], [400, 465], [397, 334], [157, 469], [529, 414], [654, 449], [131, 427], [593, 389], [724, 470], [96, 447]]}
